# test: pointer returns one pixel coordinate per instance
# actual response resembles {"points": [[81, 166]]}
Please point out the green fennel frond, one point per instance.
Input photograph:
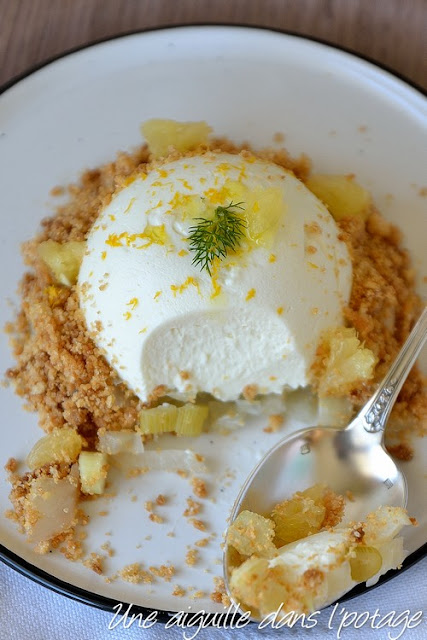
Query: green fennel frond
{"points": [[211, 239]]}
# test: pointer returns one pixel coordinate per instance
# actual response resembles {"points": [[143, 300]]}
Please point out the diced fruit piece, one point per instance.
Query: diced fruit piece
{"points": [[190, 419], [125, 441], [260, 588], [365, 563], [162, 135], [297, 518], [63, 260], [93, 467], [343, 196], [247, 580], [347, 364], [50, 508], [251, 533], [161, 419], [61, 445]]}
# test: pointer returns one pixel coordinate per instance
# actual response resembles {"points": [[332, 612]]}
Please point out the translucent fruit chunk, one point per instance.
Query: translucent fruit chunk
{"points": [[297, 518], [61, 445], [62, 260], [251, 533], [365, 563], [93, 468], [164, 135], [347, 364], [343, 196]]}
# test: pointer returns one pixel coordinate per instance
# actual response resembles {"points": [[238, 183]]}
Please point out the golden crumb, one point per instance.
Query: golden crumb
{"points": [[357, 532], [199, 487], [73, 549], [401, 451], [198, 524], [107, 548], [11, 465], [57, 191], [134, 472], [197, 595], [191, 557], [313, 227], [202, 542], [149, 506], [160, 500], [312, 578], [219, 592], [350, 496], [193, 508], [157, 393], [274, 423], [134, 573], [179, 592], [164, 571], [154, 517], [250, 392], [278, 138], [95, 563], [334, 505], [103, 513]]}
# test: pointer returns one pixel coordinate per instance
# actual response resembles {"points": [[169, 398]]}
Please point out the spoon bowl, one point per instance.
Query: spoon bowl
{"points": [[348, 464], [352, 462]]}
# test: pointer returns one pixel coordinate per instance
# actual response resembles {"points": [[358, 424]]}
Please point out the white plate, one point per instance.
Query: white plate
{"points": [[77, 112]]}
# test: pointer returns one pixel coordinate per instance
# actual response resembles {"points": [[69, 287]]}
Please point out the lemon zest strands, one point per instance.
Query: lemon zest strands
{"points": [[251, 294], [153, 235], [180, 288]]}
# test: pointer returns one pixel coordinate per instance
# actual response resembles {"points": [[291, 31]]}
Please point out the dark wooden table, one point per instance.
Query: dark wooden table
{"points": [[391, 32]]}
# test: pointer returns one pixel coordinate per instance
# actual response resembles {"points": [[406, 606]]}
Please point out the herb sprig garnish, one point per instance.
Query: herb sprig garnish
{"points": [[211, 239]]}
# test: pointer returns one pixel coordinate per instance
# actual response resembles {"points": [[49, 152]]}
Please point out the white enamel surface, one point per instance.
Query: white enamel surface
{"points": [[151, 332], [247, 84]]}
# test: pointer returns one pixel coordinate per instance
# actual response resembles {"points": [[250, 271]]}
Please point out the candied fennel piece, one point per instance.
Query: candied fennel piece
{"points": [[190, 419], [61, 445], [173, 460], [125, 441], [161, 419], [342, 195], [347, 363], [93, 468], [164, 135], [251, 534], [62, 260], [365, 562]]}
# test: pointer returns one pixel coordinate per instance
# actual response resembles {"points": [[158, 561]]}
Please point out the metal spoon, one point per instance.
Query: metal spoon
{"points": [[351, 459]]}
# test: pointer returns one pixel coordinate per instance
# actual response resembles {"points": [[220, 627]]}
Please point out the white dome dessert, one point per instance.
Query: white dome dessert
{"points": [[257, 320]]}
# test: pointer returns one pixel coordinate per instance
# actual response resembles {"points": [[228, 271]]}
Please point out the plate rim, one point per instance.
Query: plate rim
{"points": [[90, 598]]}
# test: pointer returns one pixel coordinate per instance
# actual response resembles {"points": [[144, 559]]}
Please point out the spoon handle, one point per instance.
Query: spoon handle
{"points": [[375, 413]]}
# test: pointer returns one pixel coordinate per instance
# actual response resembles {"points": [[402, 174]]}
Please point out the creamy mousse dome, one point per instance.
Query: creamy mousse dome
{"points": [[256, 320]]}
